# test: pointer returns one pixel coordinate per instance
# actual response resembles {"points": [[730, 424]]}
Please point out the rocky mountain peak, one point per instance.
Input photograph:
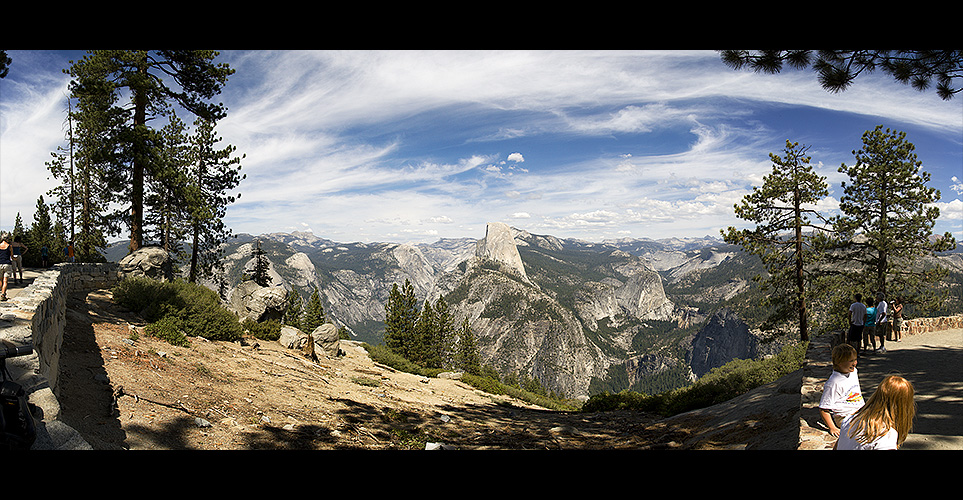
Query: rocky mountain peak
{"points": [[499, 245]]}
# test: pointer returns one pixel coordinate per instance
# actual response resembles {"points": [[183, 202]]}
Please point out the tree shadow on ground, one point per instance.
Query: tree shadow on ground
{"points": [[87, 402]]}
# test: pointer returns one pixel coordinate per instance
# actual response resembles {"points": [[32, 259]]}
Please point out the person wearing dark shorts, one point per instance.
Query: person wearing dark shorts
{"points": [[857, 316]]}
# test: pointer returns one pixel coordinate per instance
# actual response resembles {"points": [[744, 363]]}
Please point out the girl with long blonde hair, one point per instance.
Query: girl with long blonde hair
{"points": [[884, 421]]}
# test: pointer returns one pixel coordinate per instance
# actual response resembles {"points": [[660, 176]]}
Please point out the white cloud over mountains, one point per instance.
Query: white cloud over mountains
{"points": [[417, 145]]}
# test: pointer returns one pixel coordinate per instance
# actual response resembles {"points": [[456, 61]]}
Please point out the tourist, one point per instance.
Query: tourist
{"points": [[18, 249], [884, 421], [898, 319], [841, 393], [869, 326], [6, 264], [882, 322], [857, 315]]}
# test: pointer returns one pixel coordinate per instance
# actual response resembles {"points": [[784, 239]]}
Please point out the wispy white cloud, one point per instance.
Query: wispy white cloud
{"points": [[367, 145]]}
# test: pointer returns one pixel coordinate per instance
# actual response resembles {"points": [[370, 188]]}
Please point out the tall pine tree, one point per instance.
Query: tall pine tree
{"points": [[212, 174], [151, 82], [887, 220], [401, 316], [467, 358], [313, 312], [165, 208], [783, 209]]}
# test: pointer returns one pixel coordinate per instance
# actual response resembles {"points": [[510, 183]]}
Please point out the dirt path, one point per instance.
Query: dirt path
{"points": [[124, 390]]}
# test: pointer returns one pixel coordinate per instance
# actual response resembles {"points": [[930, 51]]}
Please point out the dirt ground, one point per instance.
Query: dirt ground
{"points": [[122, 389]]}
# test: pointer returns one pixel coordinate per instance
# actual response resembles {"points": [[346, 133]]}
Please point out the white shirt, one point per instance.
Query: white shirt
{"points": [[857, 313], [881, 316], [841, 394], [885, 442]]}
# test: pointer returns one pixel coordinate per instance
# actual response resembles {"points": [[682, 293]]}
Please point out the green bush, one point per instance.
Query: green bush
{"points": [[190, 308], [719, 385], [168, 328], [267, 330]]}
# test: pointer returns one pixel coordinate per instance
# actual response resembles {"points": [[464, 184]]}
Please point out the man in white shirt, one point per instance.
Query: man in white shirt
{"points": [[857, 315], [882, 321]]}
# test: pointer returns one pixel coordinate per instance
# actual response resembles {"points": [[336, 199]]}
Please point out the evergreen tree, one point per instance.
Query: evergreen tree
{"points": [[81, 203], [18, 229], [213, 172], [887, 219], [445, 332], [139, 75], [39, 236], [401, 315], [294, 309], [783, 230], [425, 349], [89, 171], [467, 357], [165, 207], [260, 275], [313, 312], [838, 69]]}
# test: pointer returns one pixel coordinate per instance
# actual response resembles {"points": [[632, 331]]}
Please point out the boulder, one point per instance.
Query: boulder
{"points": [[150, 261], [326, 341], [252, 301], [293, 338]]}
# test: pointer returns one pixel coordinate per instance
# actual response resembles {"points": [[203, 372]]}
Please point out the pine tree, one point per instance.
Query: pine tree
{"points": [[39, 236], [260, 274], [18, 229], [888, 219], [90, 173], [467, 357], [783, 230], [313, 313], [425, 349], [165, 207], [401, 315], [105, 76], [212, 174], [294, 309], [445, 332]]}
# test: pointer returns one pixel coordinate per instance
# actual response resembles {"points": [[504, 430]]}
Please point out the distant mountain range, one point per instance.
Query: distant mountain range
{"points": [[580, 317]]}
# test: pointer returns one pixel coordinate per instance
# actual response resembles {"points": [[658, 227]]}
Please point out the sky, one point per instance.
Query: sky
{"points": [[414, 146]]}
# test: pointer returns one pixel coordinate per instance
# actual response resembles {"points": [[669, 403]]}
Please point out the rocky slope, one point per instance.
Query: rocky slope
{"points": [[137, 393], [566, 312]]}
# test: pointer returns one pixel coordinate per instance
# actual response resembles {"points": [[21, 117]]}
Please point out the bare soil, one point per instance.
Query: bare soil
{"points": [[122, 389]]}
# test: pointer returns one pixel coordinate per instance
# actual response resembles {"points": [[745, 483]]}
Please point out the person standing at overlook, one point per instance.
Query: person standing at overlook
{"points": [[882, 322], [857, 316], [869, 326], [897, 319], [18, 249], [6, 264]]}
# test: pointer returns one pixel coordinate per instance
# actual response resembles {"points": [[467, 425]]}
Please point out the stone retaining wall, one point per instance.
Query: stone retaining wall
{"points": [[37, 316], [818, 365]]}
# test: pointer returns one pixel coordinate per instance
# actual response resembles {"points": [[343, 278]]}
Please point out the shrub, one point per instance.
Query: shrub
{"points": [[267, 330], [719, 385], [193, 310], [168, 328]]}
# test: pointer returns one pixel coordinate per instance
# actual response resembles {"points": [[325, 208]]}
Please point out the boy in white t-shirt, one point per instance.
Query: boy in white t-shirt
{"points": [[841, 394]]}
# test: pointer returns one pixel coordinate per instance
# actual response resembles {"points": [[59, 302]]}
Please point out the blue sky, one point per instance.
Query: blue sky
{"points": [[412, 146]]}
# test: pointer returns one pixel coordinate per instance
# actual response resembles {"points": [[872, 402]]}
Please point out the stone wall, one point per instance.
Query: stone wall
{"points": [[818, 365], [37, 316]]}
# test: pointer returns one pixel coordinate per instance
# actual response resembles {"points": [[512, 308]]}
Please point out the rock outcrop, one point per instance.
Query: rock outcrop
{"points": [[150, 261], [498, 245], [724, 338], [252, 301]]}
